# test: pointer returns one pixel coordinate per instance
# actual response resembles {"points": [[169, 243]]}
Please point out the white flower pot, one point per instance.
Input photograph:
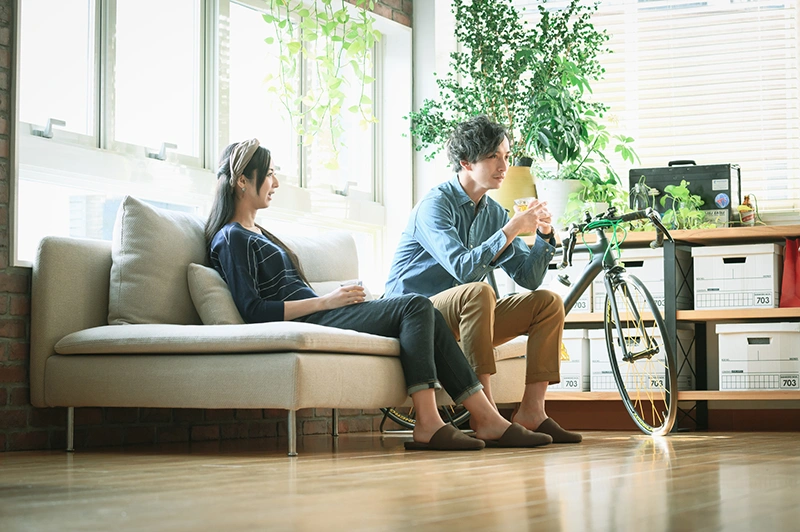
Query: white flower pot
{"points": [[555, 192]]}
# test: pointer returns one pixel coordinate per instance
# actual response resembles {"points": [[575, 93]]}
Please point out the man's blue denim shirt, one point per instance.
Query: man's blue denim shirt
{"points": [[448, 242]]}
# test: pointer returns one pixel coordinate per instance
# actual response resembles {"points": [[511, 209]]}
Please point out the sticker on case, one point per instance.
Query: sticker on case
{"points": [[722, 200]]}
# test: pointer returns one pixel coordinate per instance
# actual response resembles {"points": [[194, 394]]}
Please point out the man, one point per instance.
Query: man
{"points": [[455, 236]]}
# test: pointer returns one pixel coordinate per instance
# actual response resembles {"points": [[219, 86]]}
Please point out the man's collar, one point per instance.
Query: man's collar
{"points": [[461, 195]]}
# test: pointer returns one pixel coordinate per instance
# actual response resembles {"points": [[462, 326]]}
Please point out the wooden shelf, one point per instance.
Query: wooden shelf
{"points": [[710, 237], [737, 314], [748, 395], [690, 395], [597, 317], [583, 396], [586, 317], [702, 315], [737, 235]]}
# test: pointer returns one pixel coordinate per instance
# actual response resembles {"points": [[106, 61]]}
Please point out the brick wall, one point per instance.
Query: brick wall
{"points": [[24, 427], [397, 10]]}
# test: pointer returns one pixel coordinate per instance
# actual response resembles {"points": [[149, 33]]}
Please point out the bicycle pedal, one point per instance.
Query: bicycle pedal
{"points": [[564, 279]]}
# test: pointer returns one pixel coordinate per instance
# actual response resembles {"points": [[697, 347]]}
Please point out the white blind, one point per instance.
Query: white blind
{"points": [[713, 81]]}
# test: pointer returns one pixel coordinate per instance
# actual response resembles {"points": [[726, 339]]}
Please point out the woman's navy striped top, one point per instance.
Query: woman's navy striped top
{"points": [[259, 273]]}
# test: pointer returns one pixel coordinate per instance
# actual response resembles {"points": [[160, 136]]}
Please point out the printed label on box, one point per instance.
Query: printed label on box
{"points": [[790, 382], [719, 184]]}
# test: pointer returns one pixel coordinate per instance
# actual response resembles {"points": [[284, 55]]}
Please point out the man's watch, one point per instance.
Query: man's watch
{"points": [[547, 236]]}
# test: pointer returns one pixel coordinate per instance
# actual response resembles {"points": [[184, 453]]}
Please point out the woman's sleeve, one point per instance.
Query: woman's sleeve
{"points": [[238, 263]]}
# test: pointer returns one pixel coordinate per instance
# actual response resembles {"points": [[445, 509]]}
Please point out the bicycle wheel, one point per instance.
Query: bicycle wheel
{"points": [[642, 361], [457, 415]]}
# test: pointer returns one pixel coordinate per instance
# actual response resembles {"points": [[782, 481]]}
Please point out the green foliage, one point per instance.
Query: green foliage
{"points": [[601, 183], [335, 42], [684, 211], [534, 80]]}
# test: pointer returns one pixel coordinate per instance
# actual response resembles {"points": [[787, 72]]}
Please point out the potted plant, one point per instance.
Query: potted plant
{"points": [[684, 211], [600, 185], [532, 79]]}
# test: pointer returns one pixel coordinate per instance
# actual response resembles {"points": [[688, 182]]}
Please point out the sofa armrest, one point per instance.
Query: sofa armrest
{"points": [[69, 293]]}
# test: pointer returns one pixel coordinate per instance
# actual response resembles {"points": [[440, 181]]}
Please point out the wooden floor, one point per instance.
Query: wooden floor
{"points": [[612, 481]]}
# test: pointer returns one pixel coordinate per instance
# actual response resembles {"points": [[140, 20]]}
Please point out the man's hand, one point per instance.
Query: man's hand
{"points": [[535, 216], [545, 220]]}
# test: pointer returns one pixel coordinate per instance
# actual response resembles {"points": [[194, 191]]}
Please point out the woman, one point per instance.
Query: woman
{"points": [[267, 284]]}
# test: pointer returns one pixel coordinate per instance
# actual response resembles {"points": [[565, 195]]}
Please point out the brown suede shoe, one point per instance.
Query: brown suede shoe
{"points": [[518, 436], [447, 438], [559, 435]]}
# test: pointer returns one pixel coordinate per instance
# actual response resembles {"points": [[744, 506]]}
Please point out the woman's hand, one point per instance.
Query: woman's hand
{"points": [[343, 296]]}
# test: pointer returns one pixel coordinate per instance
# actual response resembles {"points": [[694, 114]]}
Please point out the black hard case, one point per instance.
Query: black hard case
{"points": [[707, 181]]}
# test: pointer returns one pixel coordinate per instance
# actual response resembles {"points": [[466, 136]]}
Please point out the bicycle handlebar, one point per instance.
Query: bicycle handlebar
{"points": [[611, 216]]}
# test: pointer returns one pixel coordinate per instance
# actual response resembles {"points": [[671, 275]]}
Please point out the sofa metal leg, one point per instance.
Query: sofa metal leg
{"points": [[291, 431], [70, 429], [335, 431]]}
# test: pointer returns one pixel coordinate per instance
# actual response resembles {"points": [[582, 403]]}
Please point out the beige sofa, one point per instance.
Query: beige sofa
{"points": [[115, 325]]}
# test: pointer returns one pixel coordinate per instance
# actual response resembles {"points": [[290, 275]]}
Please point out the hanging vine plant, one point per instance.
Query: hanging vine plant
{"points": [[336, 45]]}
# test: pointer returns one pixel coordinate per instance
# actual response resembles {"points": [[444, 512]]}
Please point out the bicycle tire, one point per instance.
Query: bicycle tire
{"points": [[457, 415], [648, 385]]}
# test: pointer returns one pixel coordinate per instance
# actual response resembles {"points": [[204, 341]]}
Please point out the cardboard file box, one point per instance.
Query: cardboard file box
{"points": [[575, 370], [602, 377], [759, 356], [747, 276], [648, 266]]}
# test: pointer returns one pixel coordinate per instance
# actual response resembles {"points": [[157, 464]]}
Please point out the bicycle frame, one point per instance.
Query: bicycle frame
{"points": [[604, 260], [600, 261]]}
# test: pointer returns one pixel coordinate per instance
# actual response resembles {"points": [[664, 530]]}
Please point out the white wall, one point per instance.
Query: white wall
{"points": [[434, 40]]}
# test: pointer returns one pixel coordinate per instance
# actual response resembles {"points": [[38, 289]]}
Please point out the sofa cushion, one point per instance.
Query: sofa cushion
{"points": [[211, 297], [514, 348], [271, 337], [151, 250], [328, 257]]}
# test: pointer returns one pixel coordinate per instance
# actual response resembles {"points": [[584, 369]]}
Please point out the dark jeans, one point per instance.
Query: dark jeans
{"points": [[429, 353]]}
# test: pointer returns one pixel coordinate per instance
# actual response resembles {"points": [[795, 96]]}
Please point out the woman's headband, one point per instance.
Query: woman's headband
{"points": [[241, 155]]}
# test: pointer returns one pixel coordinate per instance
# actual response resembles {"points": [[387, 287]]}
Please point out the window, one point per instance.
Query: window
{"points": [[58, 78], [157, 80], [253, 112], [355, 161], [712, 81]]}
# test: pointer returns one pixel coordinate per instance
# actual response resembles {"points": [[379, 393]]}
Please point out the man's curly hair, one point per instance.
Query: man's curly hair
{"points": [[473, 140]]}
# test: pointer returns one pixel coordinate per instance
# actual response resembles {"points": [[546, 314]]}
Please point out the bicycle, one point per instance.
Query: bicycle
{"points": [[644, 367]]}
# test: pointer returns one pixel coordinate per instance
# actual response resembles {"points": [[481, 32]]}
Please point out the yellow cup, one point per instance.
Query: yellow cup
{"points": [[522, 203]]}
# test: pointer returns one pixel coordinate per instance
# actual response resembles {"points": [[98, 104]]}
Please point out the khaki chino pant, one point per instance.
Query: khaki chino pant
{"points": [[481, 322]]}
